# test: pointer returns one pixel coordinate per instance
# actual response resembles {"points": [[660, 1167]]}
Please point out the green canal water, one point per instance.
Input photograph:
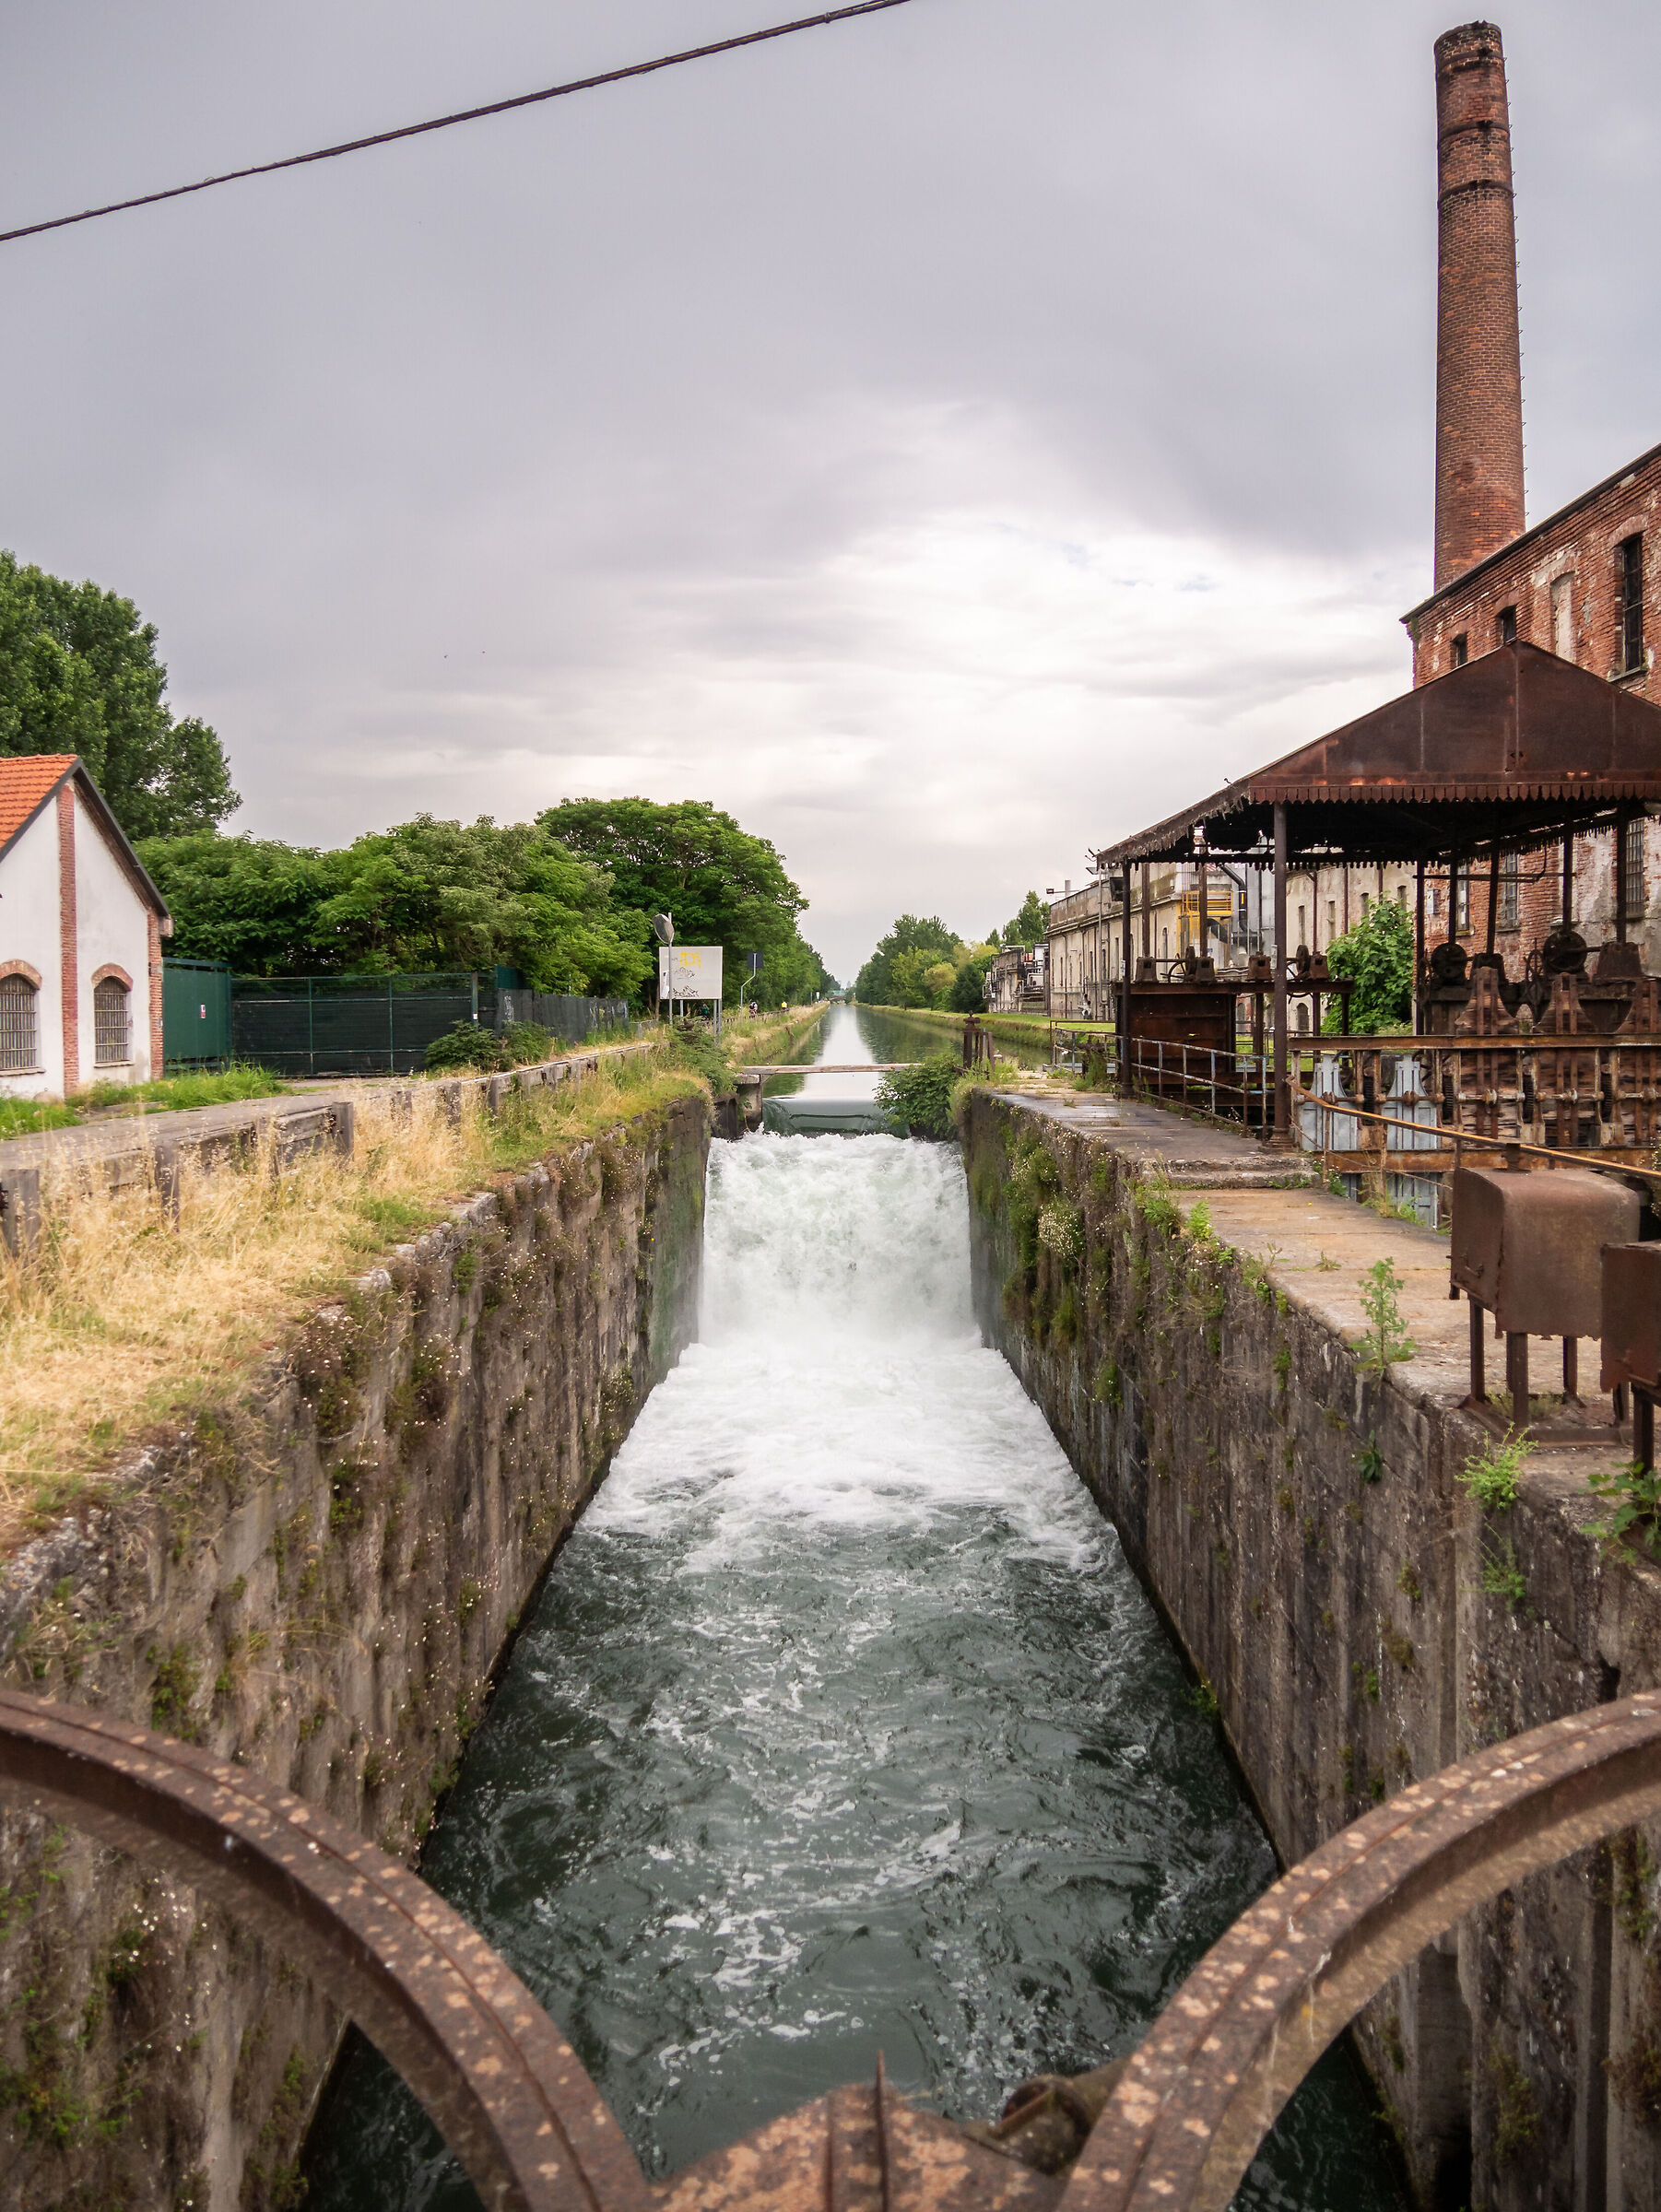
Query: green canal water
{"points": [[841, 1726]]}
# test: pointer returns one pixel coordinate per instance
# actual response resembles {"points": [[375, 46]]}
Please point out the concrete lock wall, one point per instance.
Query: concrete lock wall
{"points": [[1359, 1621], [317, 1580]]}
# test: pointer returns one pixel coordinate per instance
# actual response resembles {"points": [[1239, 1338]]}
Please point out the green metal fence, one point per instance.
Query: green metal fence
{"points": [[370, 1025], [196, 1014]]}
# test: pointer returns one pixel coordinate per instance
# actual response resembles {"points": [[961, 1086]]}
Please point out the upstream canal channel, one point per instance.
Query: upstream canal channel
{"points": [[840, 1724]]}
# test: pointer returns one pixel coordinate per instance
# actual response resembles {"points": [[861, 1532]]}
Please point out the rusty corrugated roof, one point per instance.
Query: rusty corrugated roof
{"points": [[1516, 746]]}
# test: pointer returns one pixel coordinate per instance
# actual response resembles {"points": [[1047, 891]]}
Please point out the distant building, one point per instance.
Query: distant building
{"points": [[1015, 981], [1086, 939], [81, 926]]}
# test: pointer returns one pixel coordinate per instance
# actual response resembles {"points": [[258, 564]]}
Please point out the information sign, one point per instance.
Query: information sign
{"points": [[688, 971]]}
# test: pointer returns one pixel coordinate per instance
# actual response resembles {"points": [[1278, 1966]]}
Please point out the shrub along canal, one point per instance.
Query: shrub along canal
{"points": [[842, 1725]]}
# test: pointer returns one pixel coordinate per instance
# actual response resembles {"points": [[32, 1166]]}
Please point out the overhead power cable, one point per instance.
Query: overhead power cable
{"points": [[444, 122]]}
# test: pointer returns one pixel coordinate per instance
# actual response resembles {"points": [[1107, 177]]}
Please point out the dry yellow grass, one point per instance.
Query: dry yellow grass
{"points": [[132, 1311]]}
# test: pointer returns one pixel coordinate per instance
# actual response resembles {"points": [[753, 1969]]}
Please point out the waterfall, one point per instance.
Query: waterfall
{"points": [[842, 1725]]}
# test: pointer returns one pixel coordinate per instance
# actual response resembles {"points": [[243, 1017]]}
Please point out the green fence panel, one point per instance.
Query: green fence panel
{"points": [[196, 1014]]}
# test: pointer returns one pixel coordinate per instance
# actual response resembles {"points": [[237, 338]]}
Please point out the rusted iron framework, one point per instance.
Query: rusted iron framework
{"points": [[1517, 751], [1174, 2127]]}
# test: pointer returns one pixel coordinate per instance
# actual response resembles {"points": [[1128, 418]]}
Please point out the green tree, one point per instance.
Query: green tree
{"points": [[1032, 926], [968, 994], [78, 673], [425, 895], [1377, 956], [876, 982], [721, 884]]}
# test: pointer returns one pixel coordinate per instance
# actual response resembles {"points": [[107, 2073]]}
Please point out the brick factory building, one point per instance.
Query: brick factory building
{"points": [[1584, 584]]}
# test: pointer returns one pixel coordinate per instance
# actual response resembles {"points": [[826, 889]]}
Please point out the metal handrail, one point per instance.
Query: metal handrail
{"points": [[1558, 1156]]}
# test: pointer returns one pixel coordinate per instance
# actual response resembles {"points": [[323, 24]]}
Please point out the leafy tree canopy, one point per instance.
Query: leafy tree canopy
{"points": [[1377, 956], [78, 673], [723, 885], [1031, 926], [425, 895], [881, 983]]}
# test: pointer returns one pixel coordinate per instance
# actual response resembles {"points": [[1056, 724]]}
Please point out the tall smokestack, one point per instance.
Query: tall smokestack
{"points": [[1479, 358]]}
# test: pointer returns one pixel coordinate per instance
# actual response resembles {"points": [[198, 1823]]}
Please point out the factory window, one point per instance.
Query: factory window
{"points": [[1332, 920], [1366, 906], [1401, 896], [1433, 902], [1303, 927], [1506, 626], [1461, 650], [1630, 555], [1462, 900], [1563, 616], [1631, 869], [1508, 891], [18, 1049]]}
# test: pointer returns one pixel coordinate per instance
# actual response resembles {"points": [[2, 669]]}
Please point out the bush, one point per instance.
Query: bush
{"points": [[525, 1043], [1377, 957], [920, 1095], [470, 1046]]}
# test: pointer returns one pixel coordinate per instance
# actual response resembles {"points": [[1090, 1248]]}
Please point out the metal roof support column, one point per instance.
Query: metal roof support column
{"points": [[1283, 1136], [1493, 892], [1125, 987], [1418, 951], [1147, 911]]}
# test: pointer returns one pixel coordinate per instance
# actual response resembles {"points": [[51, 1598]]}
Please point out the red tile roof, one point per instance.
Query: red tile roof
{"points": [[24, 783]]}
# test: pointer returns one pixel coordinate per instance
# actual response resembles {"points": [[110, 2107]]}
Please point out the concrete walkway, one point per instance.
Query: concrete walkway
{"points": [[1273, 1210]]}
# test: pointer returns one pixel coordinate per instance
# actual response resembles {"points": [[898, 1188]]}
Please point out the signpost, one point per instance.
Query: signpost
{"points": [[689, 975]]}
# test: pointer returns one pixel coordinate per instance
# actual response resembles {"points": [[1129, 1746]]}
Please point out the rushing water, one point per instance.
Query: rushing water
{"points": [[841, 1726]]}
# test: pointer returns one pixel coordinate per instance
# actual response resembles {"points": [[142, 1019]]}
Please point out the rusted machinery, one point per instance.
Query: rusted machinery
{"points": [[1527, 1248], [1174, 2127], [1632, 1337]]}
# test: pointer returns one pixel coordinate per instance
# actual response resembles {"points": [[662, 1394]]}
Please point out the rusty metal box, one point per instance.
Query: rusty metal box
{"points": [[1631, 1316], [1529, 1244]]}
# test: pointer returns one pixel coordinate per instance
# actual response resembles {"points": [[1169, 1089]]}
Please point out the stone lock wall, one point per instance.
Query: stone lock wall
{"points": [[1359, 1623], [317, 1579]]}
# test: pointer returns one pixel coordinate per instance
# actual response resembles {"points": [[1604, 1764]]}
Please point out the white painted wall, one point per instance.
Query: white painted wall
{"points": [[28, 930], [113, 923]]}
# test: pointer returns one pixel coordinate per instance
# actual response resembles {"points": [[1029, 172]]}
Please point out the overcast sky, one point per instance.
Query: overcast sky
{"points": [[947, 440]]}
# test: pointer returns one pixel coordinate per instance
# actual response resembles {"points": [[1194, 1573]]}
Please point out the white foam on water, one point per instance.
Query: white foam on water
{"points": [[839, 1381]]}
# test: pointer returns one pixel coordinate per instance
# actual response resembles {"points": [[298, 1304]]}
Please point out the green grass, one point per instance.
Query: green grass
{"points": [[28, 1117], [169, 1093]]}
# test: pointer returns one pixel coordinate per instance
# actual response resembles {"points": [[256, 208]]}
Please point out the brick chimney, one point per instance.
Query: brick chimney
{"points": [[1478, 365]]}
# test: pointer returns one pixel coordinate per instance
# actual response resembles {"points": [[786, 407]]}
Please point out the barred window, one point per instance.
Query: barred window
{"points": [[1461, 650], [1631, 869], [1508, 877], [1629, 554], [110, 1027], [19, 1046], [1506, 626]]}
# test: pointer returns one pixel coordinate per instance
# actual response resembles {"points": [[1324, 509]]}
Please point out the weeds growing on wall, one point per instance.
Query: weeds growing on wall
{"points": [[1632, 1496], [1386, 1343], [140, 1306], [1491, 1475]]}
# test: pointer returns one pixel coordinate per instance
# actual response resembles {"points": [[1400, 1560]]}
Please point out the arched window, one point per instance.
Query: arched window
{"points": [[20, 1046], [111, 1029], [1303, 1021]]}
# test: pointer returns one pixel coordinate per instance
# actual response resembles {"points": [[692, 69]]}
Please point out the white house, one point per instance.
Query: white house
{"points": [[81, 926]]}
